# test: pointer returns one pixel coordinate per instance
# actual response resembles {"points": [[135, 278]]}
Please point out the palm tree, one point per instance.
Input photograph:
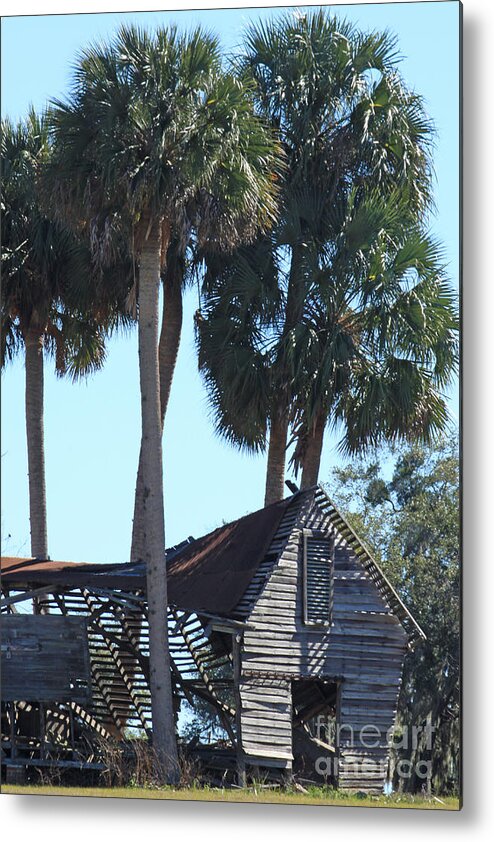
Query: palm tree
{"points": [[155, 140], [44, 269], [378, 339], [347, 124], [375, 343]]}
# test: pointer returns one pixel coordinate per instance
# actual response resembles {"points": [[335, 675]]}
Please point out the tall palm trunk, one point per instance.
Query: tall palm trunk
{"points": [[171, 330], [278, 433], [33, 339], [275, 472], [164, 741], [312, 457]]}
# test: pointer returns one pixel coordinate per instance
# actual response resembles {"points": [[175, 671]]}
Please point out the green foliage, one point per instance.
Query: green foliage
{"points": [[343, 309], [411, 523], [154, 128], [48, 279], [202, 721]]}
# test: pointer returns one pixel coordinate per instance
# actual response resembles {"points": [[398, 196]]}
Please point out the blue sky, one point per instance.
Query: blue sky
{"points": [[93, 429]]}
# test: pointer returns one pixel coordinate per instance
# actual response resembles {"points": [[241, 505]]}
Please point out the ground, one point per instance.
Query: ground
{"points": [[315, 796]]}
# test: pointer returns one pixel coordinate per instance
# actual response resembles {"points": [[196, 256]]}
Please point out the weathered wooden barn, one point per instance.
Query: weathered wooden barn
{"points": [[280, 620]]}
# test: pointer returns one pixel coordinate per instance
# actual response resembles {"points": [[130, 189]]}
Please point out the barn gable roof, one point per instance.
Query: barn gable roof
{"points": [[212, 573], [364, 555]]}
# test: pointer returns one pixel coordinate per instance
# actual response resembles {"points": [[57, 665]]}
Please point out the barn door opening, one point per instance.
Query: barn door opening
{"points": [[314, 721]]}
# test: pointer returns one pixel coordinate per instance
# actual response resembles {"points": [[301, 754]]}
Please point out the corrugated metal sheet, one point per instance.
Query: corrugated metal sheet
{"points": [[213, 572]]}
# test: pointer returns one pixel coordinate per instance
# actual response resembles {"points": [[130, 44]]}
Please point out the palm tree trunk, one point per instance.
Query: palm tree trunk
{"points": [[275, 473], [171, 330], [278, 435], [312, 457], [164, 742], [33, 339], [295, 292]]}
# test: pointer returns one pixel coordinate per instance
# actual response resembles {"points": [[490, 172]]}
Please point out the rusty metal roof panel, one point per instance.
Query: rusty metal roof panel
{"points": [[24, 572], [213, 572]]}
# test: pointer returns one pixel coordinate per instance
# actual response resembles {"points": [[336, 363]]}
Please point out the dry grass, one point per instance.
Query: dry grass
{"points": [[315, 797]]}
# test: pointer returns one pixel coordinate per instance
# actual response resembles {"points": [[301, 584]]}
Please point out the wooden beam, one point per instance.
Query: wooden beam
{"points": [[237, 674], [13, 600], [113, 644]]}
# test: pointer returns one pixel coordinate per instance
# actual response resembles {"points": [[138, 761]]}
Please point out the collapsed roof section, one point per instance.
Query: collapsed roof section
{"points": [[211, 573]]}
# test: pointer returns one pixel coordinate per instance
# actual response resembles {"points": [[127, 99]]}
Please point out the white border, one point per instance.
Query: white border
{"points": [[83, 819]]}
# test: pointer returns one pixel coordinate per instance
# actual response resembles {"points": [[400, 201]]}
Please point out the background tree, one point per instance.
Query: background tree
{"points": [[350, 129], [153, 137], [378, 339], [46, 276], [409, 516], [375, 343]]}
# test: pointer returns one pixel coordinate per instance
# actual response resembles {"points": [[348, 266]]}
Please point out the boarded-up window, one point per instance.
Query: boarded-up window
{"points": [[318, 556]]}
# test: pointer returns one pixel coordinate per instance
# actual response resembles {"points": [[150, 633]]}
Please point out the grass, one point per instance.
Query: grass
{"points": [[315, 796]]}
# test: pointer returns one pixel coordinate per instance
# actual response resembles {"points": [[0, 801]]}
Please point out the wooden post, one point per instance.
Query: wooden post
{"points": [[13, 745], [429, 753], [237, 673], [287, 776], [71, 730], [42, 731], [336, 761]]}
